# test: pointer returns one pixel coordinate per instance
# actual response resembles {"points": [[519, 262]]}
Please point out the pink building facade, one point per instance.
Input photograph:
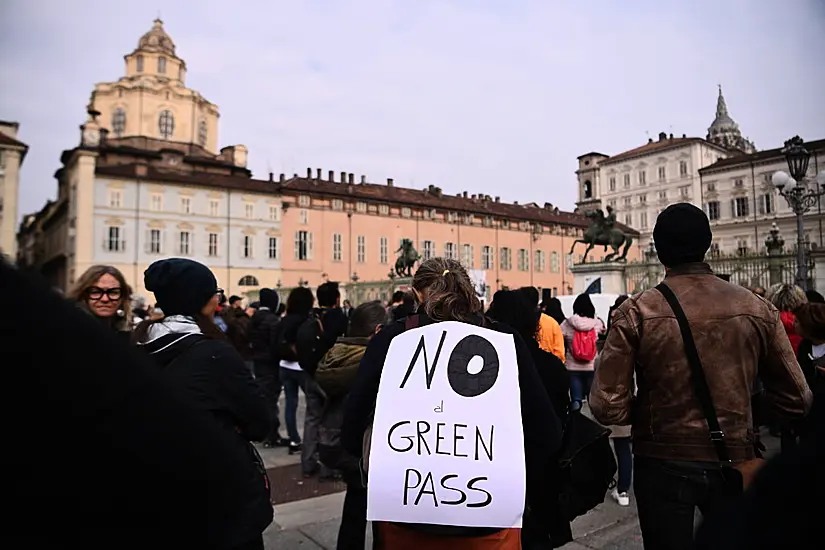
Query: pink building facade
{"points": [[343, 231]]}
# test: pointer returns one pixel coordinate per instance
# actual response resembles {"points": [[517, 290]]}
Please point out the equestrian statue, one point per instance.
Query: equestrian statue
{"points": [[406, 259], [602, 231]]}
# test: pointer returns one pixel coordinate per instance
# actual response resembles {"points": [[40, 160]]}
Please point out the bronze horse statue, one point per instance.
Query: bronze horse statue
{"points": [[597, 235], [407, 258]]}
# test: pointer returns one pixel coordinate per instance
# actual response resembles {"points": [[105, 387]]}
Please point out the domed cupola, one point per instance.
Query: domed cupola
{"points": [[157, 40], [725, 132]]}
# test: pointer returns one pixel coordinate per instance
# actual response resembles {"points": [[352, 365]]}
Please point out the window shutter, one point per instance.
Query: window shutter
{"points": [[309, 245], [147, 241], [762, 204], [733, 208]]}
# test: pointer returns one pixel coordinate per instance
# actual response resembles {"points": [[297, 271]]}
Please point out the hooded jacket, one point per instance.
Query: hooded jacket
{"points": [[569, 328], [336, 374], [789, 323], [212, 376]]}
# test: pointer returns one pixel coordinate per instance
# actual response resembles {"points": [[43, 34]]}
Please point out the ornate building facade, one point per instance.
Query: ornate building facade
{"points": [[12, 153], [724, 132], [148, 181]]}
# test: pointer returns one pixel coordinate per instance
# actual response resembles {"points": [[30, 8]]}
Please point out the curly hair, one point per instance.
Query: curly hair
{"points": [[88, 280], [446, 291], [786, 297]]}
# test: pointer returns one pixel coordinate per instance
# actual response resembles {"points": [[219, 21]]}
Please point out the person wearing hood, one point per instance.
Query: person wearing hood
{"points": [[581, 331], [262, 338], [335, 375], [195, 358]]}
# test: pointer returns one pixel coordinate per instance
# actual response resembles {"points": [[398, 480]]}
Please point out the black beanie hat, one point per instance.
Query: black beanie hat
{"points": [[181, 286], [682, 234], [270, 299]]}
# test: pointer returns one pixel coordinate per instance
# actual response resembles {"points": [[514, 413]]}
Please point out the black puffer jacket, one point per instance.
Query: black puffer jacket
{"points": [[262, 335], [212, 375]]}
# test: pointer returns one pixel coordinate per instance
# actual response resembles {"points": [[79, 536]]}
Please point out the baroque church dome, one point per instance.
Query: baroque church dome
{"points": [[156, 40], [725, 132]]}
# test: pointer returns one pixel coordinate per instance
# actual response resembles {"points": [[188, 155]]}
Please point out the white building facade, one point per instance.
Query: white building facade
{"points": [[12, 153]]}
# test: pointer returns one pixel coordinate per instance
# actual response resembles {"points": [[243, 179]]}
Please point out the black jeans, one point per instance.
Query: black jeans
{"points": [[624, 459], [353, 531], [268, 375], [256, 543], [667, 495]]}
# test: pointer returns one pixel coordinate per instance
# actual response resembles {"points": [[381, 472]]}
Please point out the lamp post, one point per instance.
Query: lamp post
{"points": [[793, 187]]}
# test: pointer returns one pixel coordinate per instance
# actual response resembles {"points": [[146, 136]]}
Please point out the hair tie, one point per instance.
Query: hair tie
{"points": [[445, 272]]}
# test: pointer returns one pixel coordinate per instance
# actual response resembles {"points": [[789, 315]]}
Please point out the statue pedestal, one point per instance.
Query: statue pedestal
{"points": [[609, 274]]}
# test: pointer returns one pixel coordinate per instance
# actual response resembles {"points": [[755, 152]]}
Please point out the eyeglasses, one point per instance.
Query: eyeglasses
{"points": [[96, 293]]}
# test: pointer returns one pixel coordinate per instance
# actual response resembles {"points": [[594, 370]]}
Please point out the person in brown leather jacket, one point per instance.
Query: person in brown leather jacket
{"points": [[738, 335]]}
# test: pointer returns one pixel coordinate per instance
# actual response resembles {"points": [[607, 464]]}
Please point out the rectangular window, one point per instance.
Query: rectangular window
{"points": [[523, 259], [213, 244], [506, 259], [303, 245], [662, 195], [303, 216], [554, 262], [642, 178], [382, 250], [612, 183], [450, 251], [247, 248], [274, 213], [486, 257], [711, 186], [156, 202], [742, 246], [740, 207], [186, 205], [683, 171], [712, 210], [627, 180], [214, 208], [115, 198], [684, 191], [139, 63], [428, 248], [273, 248], [113, 242], [643, 220], [154, 241], [467, 256], [628, 201], [739, 183], [184, 243], [766, 205], [360, 207], [249, 211], [337, 204], [337, 247], [538, 261], [161, 65], [662, 173], [303, 200], [406, 212], [383, 209], [643, 199], [361, 249], [628, 220]]}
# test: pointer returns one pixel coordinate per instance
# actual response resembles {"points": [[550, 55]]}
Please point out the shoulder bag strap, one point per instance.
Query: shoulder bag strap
{"points": [[700, 382]]}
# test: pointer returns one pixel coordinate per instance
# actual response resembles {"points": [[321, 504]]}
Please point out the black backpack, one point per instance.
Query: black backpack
{"points": [[587, 465], [308, 345]]}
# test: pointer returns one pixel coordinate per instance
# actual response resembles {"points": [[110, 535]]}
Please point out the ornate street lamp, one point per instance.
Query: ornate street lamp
{"points": [[799, 196]]}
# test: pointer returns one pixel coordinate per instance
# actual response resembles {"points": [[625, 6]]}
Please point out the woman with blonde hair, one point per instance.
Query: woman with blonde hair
{"points": [[444, 292], [787, 298], [103, 292]]}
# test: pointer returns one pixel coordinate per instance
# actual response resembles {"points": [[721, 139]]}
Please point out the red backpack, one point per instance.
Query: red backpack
{"points": [[584, 345]]}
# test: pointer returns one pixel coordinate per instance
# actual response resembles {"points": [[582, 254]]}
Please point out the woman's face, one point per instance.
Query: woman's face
{"points": [[211, 306], [105, 296]]}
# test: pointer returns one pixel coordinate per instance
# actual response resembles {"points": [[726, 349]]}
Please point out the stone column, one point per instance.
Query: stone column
{"points": [[775, 246]]}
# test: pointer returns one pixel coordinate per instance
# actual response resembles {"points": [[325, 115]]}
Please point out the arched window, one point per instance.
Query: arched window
{"points": [[202, 133], [588, 189], [248, 280], [139, 63], [166, 124], [161, 65], [118, 122]]}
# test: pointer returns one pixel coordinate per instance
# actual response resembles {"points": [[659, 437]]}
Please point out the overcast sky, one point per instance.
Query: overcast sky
{"points": [[487, 96]]}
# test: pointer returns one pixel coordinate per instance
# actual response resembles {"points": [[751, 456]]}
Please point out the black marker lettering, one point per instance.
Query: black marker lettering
{"points": [[461, 500], [407, 437], [464, 383], [430, 491], [421, 433], [456, 439], [439, 438], [429, 372], [407, 485], [486, 501], [480, 443]]}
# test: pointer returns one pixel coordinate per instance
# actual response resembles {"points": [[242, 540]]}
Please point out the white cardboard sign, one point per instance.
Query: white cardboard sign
{"points": [[447, 442]]}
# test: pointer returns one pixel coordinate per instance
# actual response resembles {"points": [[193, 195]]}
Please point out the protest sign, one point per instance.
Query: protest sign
{"points": [[447, 443]]}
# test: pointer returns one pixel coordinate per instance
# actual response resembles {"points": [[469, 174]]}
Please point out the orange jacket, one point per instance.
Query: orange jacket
{"points": [[550, 337]]}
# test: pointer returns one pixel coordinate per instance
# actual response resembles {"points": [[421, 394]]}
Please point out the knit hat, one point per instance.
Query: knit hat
{"points": [[811, 319], [181, 286], [269, 298], [682, 235]]}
